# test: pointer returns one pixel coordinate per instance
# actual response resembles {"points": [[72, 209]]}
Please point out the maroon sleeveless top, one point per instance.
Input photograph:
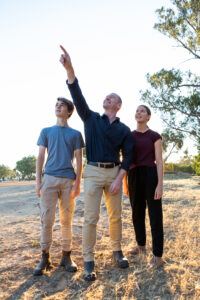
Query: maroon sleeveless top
{"points": [[144, 151]]}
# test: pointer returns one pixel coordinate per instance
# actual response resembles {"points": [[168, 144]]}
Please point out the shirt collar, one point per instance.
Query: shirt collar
{"points": [[104, 116]]}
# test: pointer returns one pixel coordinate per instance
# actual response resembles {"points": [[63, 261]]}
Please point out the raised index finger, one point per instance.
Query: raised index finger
{"points": [[63, 49]]}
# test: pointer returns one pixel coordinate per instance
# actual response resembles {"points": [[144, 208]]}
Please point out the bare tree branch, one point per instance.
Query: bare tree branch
{"points": [[197, 56], [170, 152], [188, 85], [186, 59], [178, 128], [180, 110], [195, 29]]}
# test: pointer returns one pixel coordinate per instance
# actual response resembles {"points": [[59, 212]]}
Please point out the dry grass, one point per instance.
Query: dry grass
{"points": [[20, 250]]}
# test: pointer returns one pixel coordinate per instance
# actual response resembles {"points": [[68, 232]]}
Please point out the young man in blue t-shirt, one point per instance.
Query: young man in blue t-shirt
{"points": [[58, 181]]}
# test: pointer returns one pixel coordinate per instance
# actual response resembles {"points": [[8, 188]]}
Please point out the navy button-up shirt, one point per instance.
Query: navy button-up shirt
{"points": [[105, 141]]}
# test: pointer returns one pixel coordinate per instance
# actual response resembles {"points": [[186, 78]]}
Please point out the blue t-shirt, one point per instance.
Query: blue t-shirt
{"points": [[61, 142]]}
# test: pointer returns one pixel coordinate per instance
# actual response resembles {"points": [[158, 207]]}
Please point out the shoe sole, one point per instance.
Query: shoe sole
{"points": [[41, 272], [91, 277], [123, 265], [71, 270]]}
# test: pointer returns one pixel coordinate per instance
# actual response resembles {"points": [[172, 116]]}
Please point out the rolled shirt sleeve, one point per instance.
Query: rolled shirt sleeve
{"points": [[127, 151]]}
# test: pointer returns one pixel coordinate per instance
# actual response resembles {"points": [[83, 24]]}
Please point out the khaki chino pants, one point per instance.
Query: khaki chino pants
{"points": [[52, 189], [96, 182]]}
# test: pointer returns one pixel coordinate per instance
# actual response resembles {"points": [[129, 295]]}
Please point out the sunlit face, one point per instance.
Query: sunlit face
{"points": [[112, 102], [141, 115], [61, 110]]}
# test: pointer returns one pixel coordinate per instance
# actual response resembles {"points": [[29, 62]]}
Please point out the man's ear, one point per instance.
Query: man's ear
{"points": [[69, 115], [119, 105]]}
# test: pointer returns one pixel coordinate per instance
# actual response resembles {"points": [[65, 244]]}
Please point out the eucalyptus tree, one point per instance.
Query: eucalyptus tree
{"points": [[174, 93]]}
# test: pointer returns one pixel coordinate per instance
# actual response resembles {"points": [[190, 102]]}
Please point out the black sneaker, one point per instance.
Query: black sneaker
{"points": [[120, 260], [67, 262], [88, 273], [44, 264]]}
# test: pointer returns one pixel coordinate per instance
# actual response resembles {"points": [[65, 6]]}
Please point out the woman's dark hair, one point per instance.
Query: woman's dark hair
{"points": [[147, 109]]}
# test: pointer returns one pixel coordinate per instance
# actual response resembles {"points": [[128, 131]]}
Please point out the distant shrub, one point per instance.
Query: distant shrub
{"points": [[169, 167], [186, 169], [172, 167], [196, 164]]}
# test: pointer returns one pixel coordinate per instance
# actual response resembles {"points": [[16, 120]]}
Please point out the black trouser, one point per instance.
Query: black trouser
{"points": [[142, 182]]}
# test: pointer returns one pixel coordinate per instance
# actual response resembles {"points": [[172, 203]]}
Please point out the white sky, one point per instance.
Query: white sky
{"points": [[112, 44]]}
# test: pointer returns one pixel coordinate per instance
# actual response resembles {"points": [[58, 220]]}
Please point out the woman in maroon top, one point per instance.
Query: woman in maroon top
{"points": [[145, 185]]}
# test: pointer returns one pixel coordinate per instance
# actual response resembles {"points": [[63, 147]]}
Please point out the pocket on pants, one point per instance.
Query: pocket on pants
{"points": [[42, 182], [47, 216], [89, 171], [42, 213]]}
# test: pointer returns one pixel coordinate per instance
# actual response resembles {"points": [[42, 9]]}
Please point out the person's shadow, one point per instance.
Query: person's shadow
{"points": [[56, 278], [138, 281]]}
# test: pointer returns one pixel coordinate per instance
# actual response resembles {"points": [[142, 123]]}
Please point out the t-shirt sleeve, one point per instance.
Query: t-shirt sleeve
{"points": [[42, 140], [156, 136], [79, 143]]}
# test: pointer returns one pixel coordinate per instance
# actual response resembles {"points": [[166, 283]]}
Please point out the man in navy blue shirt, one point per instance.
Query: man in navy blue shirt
{"points": [[106, 137]]}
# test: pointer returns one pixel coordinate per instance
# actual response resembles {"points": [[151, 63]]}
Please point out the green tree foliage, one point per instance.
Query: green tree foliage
{"points": [[196, 164], [26, 167], [84, 152], [4, 171], [176, 94], [182, 24], [11, 174], [172, 142], [186, 158]]}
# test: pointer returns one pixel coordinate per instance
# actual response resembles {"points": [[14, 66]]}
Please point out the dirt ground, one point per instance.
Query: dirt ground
{"points": [[20, 249]]}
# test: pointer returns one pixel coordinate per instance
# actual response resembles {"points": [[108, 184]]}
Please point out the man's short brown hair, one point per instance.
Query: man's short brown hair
{"points": [[69, 103]]}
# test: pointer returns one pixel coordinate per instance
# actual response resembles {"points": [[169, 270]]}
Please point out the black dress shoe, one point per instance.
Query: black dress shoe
{"points": [[120, 260], [67, 262], [88, 273], [44, 264]]}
